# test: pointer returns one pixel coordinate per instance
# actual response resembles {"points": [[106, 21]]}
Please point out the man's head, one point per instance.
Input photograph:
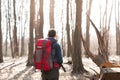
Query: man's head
{"points": [[51, 33]]}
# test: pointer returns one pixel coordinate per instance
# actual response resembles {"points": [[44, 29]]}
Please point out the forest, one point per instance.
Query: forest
{"points": [[88, 32]]}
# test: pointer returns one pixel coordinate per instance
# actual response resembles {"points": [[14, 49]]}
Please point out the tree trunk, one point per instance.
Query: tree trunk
{"points": [[1, 52], [69, 46], [77, 55], [117, 28], [31, 41], [63, 41], [107, 36], [40, 22], [22, 43], [106, 28], [88, 26], [9, 26], [7, 31], [51, 13], [6, 41], [119, 22], [100, 60], [15, 31], [41, 19], [102, 46], [39, 30], [117, 40]]}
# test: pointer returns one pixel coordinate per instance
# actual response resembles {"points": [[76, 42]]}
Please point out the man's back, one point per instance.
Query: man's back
{"points": [[56, 56]]}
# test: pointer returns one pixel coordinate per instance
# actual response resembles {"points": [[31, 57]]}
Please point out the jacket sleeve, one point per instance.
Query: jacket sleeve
{"points": [[59, 54]]}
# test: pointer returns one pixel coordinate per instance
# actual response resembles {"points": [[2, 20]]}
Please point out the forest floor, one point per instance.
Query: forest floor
{"points": [[15, 69]]}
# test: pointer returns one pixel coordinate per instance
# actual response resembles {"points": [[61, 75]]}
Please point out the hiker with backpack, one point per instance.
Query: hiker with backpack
{"points": [[48, 57]]}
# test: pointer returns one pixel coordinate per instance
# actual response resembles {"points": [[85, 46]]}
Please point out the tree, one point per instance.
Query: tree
{"points": [[88, 24], [106, 28], [6, 42], [40, 22], [69, 46], [16, 52], [51, 14], [23, 28], [31, 41], [23, 43], [7, 31], [117, 24], [40, 30], [1, 53], [77, 55], [9, 26], [99, 59]]}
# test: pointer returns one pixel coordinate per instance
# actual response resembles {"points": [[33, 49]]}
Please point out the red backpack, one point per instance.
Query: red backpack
{"points": [[43, 59]]}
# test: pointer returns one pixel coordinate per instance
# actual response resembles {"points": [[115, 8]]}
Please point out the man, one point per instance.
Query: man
{"points": [[57, 58]]}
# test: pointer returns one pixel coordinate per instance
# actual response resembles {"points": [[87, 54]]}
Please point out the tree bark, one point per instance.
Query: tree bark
{"points": [[107, 35], [6, 41], [119, 23], [51, 14], [77, 55], [106, 28], [99, 59], [31, 41], [88, 26], [63, 41], [41, 21], [117, 27], [9, 26], [69, 46], [1, 52], [102, 46], [23, 43], [16, 52]]}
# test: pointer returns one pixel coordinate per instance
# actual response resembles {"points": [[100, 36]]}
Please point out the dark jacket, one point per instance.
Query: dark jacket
{"points": [[58, 52]]}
